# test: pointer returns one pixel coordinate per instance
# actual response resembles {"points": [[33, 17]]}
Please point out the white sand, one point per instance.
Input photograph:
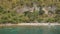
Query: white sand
{"points": [[31, 24], [38, 24]]}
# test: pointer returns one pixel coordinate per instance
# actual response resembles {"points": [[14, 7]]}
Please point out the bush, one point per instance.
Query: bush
{"points": [[41, 12], [51, 20], [57, 18], [40, 20], [57, 12]]}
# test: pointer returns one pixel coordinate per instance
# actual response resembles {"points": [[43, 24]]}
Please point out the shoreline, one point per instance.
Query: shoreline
{"points": [[31, 24]]}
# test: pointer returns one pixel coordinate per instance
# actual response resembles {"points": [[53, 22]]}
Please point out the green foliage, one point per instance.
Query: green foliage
{"points": [[51, 20], [57, 18], [41, 12], [9, 15], [57, 11], [39, 19]]}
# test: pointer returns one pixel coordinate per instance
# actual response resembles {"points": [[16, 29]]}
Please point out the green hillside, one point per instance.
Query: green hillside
{"points": [[12, 11]]}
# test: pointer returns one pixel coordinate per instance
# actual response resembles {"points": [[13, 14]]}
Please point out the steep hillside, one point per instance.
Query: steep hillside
{"points": [[27, 11]]}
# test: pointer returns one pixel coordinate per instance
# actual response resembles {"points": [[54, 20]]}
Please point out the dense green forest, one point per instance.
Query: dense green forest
{"points": [[9, 14]]}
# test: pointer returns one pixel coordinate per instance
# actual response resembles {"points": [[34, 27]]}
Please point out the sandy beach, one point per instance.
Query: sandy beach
{"points": [[31, 24]]}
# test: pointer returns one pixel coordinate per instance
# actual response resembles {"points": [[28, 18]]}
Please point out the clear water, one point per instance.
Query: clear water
{"points": [[30, 30]]}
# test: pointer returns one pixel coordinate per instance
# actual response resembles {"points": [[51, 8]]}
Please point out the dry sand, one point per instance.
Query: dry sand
{"points": [[31, 24]]}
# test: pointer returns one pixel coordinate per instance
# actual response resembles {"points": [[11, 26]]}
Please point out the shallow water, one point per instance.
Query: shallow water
{"points": [[30, 30]]}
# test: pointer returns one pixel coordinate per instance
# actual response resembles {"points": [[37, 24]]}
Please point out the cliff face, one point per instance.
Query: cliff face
{"points": [[27, 8], [49, 9]]}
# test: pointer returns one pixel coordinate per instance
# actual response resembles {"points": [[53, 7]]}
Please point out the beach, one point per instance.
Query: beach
{"points": [[31, 24]]}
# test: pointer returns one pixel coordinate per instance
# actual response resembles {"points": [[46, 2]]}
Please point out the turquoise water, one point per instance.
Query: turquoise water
{"points": [[30, 30]]}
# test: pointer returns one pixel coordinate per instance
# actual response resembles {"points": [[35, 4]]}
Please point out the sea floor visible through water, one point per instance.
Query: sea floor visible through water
{"points": [[30, 30]]}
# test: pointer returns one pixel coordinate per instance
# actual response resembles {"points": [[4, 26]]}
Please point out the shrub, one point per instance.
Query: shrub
{"points": [[51, 20]]}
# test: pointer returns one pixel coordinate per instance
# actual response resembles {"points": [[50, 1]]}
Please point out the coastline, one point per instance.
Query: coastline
{"points": [[31, 24]]}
